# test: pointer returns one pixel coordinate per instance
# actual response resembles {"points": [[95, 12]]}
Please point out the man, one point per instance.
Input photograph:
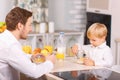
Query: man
{"points": [[12, 59]]}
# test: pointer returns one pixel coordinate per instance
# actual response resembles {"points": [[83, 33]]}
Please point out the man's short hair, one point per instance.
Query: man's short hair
{"points": [[15, 16]]}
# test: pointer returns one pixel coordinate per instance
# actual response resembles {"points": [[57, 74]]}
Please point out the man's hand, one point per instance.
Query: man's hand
{"points": [[51, 58], [37, 58]]}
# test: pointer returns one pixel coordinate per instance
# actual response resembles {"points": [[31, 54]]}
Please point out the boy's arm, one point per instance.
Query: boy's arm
{"points": [[75, 49]]}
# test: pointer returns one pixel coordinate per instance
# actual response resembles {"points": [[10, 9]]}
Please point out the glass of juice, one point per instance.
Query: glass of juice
{"points": [[48, 42], [60, 56], [49, 48], [26, 47]]}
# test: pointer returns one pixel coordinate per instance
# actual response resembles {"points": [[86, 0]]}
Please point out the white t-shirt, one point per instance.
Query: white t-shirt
{"points": [[15, 60], [101, 55]]}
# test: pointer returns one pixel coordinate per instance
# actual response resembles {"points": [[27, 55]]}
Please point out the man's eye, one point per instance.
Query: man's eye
{"points": [[31, 24], [93, 40]]}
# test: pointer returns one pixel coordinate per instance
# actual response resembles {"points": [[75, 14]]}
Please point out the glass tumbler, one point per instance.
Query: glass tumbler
{"points": [[48, 42], [26, 46]]}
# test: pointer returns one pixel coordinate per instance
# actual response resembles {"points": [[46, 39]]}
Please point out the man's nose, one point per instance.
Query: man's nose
{"points": [[31, 29]]}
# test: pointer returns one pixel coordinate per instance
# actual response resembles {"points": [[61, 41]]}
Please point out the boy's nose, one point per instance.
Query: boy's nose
{"points": [[91, 41]]}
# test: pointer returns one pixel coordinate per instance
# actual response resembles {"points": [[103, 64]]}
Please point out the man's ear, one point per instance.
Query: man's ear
{"points": [[20, 26]]}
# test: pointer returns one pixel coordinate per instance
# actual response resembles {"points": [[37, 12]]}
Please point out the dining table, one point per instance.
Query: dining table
{"points": [[71, 64], [63, 71]]}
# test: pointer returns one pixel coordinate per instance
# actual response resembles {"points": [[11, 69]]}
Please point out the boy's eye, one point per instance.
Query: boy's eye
{"points": [[93, 40]]}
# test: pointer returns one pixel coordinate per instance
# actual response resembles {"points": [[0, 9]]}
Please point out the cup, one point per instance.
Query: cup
{"points": [[51, 27], [43, 27], [27, 47], [48, 41], [60, 56]]}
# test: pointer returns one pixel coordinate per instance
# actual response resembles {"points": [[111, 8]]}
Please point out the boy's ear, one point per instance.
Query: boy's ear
{"points": [[104, 38], [20, 26]]}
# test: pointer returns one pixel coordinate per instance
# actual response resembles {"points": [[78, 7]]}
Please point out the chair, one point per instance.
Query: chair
{"points": [[2, 77], [7, 73]]}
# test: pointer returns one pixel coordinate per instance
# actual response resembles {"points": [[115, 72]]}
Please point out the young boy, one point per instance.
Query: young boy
{"points": [[99, 53]]}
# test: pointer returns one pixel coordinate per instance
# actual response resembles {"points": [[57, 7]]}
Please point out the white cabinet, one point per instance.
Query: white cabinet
{"points": [[98, 6], [117, 55], [71, 38]]}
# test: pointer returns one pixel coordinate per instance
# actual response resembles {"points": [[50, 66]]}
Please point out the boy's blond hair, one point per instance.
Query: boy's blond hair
{"points": [[98, 30]]}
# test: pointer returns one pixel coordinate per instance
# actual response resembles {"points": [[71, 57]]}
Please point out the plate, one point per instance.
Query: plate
{"points": [[79, 61]]}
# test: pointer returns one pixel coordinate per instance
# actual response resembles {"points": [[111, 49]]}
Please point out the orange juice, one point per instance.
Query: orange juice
{"points": [[60, 56], [27, 49], [49, 48]]}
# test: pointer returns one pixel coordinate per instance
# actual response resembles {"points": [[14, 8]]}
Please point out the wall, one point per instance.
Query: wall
{"points": [[56, 12], [68, 15], [5, 6], [115, 30]]}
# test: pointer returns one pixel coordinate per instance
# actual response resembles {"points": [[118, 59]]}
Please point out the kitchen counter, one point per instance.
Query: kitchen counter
{"points": [[117, 40]]}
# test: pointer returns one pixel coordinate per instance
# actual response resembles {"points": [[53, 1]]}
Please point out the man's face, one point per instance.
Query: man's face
{"points": [[96, 41], [27, 28]]}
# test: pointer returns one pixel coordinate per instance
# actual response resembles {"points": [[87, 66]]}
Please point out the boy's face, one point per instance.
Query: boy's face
{"points": [[96, 41]]}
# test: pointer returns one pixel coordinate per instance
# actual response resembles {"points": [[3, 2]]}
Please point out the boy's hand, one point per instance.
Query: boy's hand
{"points": [[75, 49], [89, 62]]}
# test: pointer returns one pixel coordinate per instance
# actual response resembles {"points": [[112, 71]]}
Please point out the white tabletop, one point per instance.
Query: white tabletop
{"points": [[70, 64]]}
